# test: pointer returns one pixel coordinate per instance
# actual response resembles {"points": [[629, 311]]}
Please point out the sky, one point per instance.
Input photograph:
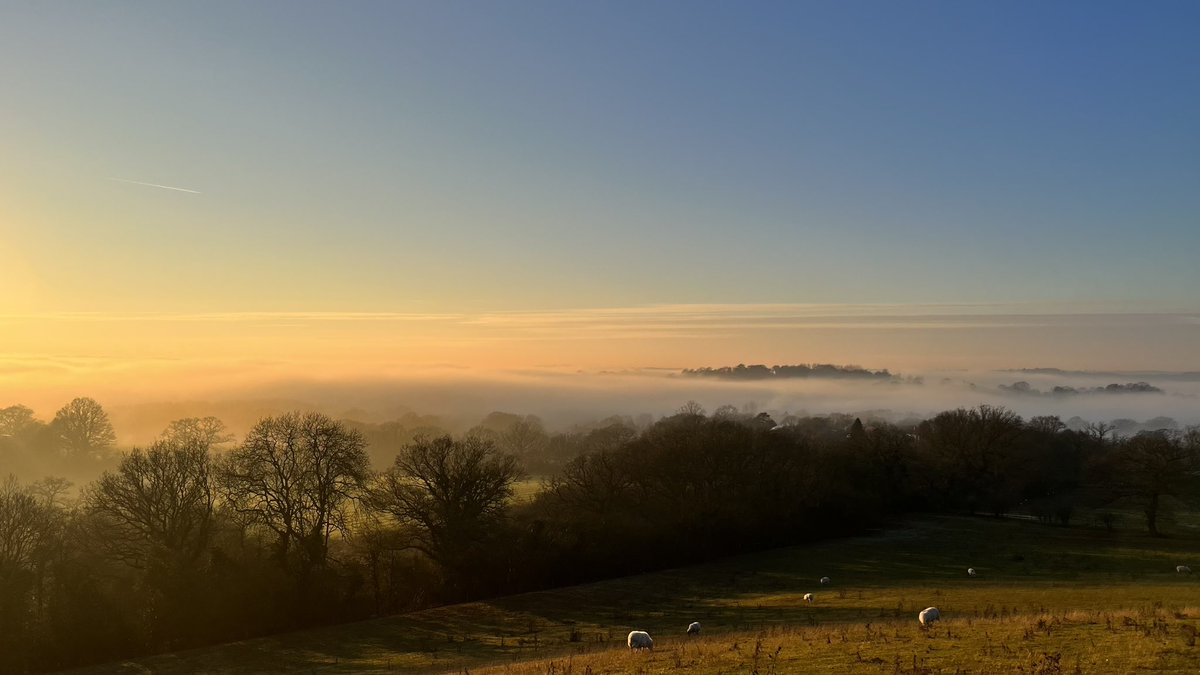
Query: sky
{"points": [[221, 192]]}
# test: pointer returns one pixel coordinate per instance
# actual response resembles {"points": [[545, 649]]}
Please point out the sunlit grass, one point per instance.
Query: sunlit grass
{"points": [[525, 490], [1088, 642], [1101, 602]]}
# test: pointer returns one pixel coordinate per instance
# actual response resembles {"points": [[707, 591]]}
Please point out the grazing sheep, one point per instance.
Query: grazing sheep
{"points": [[808, 598], [693, 628], [1183, 569], [825, 581], [970, 571], [929, 616], [640, 639]]}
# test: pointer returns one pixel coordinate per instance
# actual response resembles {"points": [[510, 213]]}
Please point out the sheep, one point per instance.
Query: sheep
{"points": [[640, 639], [693, 628], [825, 581], [1183, 569], [929, 616], [808, 597], [970, 571]]}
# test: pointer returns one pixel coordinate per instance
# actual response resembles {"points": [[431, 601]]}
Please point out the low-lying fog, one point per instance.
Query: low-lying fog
{"points": [[566, 399], [456, 402]]}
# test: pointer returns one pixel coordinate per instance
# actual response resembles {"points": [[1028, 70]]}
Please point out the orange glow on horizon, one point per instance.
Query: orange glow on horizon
{"points": [[145, 355]]}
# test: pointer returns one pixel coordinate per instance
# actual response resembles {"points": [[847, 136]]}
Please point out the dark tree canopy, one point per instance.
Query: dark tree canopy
{"points": [[973, 453]]}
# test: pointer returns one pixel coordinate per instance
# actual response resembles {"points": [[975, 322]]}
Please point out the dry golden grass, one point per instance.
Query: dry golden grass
{"points": [[1085, 642]]}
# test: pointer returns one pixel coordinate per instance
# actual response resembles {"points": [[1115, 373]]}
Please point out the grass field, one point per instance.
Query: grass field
{"points": [[525, 490], [1046, 600]]}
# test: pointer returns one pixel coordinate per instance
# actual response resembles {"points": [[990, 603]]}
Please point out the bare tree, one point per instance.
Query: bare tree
{"points": [[525, 437], [15, 420], [27, 525], [453, 491], [1153, 467], [598, 483], [23, 526], [296, 474], [157, 506], [83, 427], [1046, 424], [207, 432], [52, 491], [21, 436], [1099, 430], [724, 412]]}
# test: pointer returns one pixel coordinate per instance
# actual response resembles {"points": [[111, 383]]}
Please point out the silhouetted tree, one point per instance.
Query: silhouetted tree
{"points": [[25, 442], [597, 484], [1047, 424], [154, 513], [971, 457], [83, 428], [726, 412], [1099, 430], [295, 475], [157, 505], [197, 432], [15, 421], [857, 431], [888, 450], [525, 438], [454, 492], [26, 526], [1152, 467]]}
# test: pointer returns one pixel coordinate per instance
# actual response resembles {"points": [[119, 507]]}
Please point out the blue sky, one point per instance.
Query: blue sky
{"points": [[521, 156]]}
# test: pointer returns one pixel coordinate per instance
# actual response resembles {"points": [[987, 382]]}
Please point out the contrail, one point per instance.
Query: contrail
{"points": [[165, 187]]}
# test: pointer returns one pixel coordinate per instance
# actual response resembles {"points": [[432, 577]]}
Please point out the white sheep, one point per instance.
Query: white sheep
{"points": [[825, 581], [970, 571], [1183, 569], [808, 597], [693, 628], [929, 616], [640, 639]]}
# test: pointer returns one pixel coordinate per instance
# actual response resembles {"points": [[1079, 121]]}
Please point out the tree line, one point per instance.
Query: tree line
{"points": [[803, 370], [80, 429], [196, 538]]}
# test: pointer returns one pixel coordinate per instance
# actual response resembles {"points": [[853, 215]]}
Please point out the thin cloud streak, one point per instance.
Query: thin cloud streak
{"points": [[698, 320], [226, 317], [155, 185]]}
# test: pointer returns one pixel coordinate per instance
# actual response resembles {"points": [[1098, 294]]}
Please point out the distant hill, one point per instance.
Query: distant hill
{"points": [[800, 371]]}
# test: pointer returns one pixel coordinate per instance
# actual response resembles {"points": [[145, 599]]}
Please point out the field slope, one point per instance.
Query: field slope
{"points": [[1047, 599]]}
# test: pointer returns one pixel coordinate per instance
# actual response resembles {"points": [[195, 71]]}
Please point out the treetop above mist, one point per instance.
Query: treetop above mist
{"points": [[1181, 376], [803, 370], [1024, 388]]}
